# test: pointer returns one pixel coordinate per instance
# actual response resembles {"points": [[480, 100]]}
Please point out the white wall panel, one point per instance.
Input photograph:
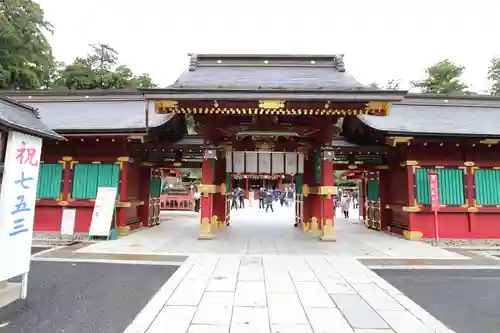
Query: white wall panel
{"points": [[264, 162], [278, 162], [239, 161], [251, 162]]}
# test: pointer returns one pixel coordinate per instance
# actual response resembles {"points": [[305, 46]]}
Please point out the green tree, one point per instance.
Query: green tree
{"points": [[442, 78], [26, 60], [494, 76], [390, 85], [99, 70]]}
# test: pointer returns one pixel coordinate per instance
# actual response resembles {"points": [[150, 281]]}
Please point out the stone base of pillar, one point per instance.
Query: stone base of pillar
{"points": [[328, 231], [314, 225], [205, 229]]}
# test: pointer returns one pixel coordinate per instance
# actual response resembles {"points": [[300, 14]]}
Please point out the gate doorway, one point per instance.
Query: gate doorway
{"points": [[254, 197]]}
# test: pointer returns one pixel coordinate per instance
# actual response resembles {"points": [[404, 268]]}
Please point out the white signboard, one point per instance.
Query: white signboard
{"points": [[68, 221], [17, 203], [103, 211]]}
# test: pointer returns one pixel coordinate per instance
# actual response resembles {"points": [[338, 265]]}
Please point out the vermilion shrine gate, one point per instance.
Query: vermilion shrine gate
{"points": [[275, 115]]}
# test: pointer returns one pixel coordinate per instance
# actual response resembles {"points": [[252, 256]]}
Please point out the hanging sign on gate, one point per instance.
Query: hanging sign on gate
{"points": [[434, 190]]}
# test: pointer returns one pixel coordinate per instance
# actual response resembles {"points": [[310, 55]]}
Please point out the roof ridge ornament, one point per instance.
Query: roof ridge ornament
{"points": [[193, 62], [338, 62]]}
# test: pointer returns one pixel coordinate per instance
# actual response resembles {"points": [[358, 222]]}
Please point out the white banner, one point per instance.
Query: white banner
{"points": [[278, 162], [229, 161], [104, 210], [17, 203], [264, 162], [238, 161], [291, 163], [251, 162], [301, 163]]}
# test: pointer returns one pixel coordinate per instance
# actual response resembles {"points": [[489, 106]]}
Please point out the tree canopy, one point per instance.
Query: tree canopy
{"points": [[99, 70], [26, 60], [390, 85], [494, 76], [442, 78]]}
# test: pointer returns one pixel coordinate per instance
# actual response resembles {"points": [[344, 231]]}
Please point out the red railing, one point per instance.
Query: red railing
{"points": [[176, 202]]}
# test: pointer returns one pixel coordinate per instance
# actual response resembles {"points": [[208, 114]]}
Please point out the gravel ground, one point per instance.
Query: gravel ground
{"points": [[83, 297]]}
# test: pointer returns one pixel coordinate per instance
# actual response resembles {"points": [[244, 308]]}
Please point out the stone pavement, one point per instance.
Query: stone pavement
{"points": [[285, 294], [263, 275], [254, 232]]}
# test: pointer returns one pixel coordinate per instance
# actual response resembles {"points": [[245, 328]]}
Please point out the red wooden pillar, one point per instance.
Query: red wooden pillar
{"points": [[308, 198], [67, 168], [328, 216], [411, 233], [124, 163], [246, 187], [219, 211], [207, 189], [327, 189], [385, 214], [471, 202], [145, 192]]}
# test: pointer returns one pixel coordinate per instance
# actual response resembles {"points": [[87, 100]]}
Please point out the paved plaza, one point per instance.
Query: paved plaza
{"points": [[259, 275], [263, 275], [254, 232], [299, 294]]}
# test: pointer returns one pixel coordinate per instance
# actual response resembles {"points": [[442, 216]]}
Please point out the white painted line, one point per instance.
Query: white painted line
{"points": [[110, 261], [458, 257], [149, 313], [456, 267]]}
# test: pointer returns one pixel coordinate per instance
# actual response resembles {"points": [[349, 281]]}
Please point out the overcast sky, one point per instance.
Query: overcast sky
{"points": [[381, 39]]}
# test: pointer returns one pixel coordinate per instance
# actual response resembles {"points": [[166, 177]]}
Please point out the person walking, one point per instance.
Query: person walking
{"points": [[262, 194], [241, 197], [282, 198], [234, 200], [269, 198], [344, 204], [196, 196]]}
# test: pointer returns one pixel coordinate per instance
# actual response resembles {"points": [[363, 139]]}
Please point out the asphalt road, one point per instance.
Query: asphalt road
{"points": [[467, 301], [36, 249], [83, 297]]}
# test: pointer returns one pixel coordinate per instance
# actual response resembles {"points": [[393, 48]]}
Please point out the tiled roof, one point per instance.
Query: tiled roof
{"points": [[267, 72], [66, 116], [467, 117], [24, 119]]}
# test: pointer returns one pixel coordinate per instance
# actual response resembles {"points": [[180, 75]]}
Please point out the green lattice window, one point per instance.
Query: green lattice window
{"points": [[451, 186], [155, 187], [88, 177], [298, 183], [487, 184], [372, 189], [49, 181]]}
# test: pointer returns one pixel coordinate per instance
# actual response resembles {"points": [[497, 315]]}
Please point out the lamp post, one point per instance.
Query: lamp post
{"points": [[210, 152], [328, 153]]}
